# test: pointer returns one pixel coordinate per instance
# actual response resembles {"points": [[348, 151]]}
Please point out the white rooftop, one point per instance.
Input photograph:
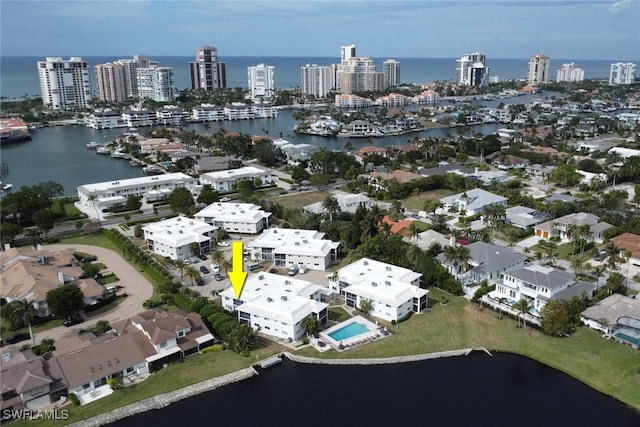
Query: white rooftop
{"points": [[233, 212], [225, 175], [280, 298], [367, 270], [179, 231], [134, 182], [295, 242]]}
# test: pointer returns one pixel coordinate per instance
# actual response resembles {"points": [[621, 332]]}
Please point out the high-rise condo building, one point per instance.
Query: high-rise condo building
{"points": [[391, 71], [570, 73], [471, 70], [206, 72], [156, 83], [261, 81], [117, 80], [65, 84], [315, 80], [539, 69], [622, 73], [357, 74]]}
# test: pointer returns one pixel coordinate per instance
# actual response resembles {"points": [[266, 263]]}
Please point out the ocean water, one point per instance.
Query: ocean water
{"points": [[19, 76]]}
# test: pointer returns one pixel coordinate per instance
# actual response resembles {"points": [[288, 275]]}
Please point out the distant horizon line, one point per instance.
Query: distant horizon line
{"points": [[294, 56]]}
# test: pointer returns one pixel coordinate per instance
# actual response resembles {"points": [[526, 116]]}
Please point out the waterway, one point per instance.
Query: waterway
{"points": [[60, 154], [478, 390]]}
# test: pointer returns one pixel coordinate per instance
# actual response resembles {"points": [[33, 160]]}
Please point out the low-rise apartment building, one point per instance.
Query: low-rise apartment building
{"points": [[235, 217], [177, 237], [227, 180]]}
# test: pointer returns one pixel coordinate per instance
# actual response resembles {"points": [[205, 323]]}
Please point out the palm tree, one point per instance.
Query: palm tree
{"points": [[331, 205], [414, 231], [457, 256], [310, 325], [181, 266], [23, 312], [92, 198], [597, 271], [33, 234], [523, 306], [192, 274], [578, 264]]}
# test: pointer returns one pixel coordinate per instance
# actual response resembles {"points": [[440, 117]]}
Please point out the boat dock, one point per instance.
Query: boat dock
{"points": [[267, 363]]}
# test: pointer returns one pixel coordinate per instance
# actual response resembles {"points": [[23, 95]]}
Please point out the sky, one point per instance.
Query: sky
{"points": [[581, 29]]}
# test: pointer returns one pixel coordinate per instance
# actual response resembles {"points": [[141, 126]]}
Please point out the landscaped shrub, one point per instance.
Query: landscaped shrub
{"points": [[215, 347], [74, 399]]}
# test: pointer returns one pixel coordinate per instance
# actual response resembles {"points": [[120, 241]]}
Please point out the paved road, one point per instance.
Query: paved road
{"points": [[137, 287]]}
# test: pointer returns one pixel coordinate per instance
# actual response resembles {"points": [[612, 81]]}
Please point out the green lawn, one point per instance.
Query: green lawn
{"points": [[299, 200], [338, 314], [607, 366], [416, 203]]}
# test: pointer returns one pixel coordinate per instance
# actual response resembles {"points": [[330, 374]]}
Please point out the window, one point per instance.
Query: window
{"points": [[163, 344]]}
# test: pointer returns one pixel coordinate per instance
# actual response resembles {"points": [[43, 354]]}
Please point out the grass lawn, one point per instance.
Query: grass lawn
{"points": [[302, 199], [94, 240], [338, 314], [416, 202], [607, 366], [37, 329], [98, 312], [194, 369]]}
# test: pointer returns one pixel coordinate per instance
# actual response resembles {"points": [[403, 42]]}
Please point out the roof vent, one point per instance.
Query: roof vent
{"points": [[283, 297], [261, 276], [269, 300], [388, 268], [388, 283], [374, 284], [366, 262], [287, 282]]}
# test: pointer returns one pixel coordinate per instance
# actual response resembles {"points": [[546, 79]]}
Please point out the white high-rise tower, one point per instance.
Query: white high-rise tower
{"points": [[65, 84], [261, 81]]}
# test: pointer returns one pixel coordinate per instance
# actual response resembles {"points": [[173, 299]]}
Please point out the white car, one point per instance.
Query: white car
{"points": [[215, 268], [223, 244]]}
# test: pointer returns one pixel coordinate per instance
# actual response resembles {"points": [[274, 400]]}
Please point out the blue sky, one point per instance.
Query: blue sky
{"points": [[608, 30]]}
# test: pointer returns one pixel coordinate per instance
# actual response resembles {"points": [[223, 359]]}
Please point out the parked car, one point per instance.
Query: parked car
{"points": [[73, 321], [253, 266], [223, 244], [219, 277], [203, 257], [200, 281], [204, 270], [225, 199], [16, 338], [293, 270], [215, 268]]}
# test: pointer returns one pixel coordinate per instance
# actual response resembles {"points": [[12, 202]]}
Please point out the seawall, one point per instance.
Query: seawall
{"points": [[166, 399], [384, 360]]}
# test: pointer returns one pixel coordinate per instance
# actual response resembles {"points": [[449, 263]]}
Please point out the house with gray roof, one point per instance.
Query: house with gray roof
{"points": [[562, 227], [472, 202], [559, 197], [426, 239], [487, 262], [347, 202], [538, 284], [617, 316], [523, 217]]}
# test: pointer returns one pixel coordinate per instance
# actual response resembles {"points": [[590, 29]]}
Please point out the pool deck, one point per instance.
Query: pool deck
{"points": [[375, 332]]}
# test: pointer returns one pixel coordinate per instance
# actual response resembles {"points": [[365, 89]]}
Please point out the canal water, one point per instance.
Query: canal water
{"points": [[476, 390]]}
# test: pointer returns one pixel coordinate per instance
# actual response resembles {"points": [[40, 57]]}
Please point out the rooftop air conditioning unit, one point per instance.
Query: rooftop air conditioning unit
{"points": [[261, 276], [283, 297], [388, 283], [269, 300], [366, 262], [388, 268], [374, 284]]}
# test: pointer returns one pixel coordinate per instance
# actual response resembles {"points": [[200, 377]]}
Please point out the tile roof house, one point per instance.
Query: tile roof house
{"points": [[29, 274], [400, 228], [30, 382], [473, 201], [562, 226], [629, 242], [616, 315]]}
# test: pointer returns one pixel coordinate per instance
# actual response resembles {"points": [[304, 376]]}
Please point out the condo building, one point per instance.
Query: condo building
{"points": [[315, 80], [622, 73], [391, 72], [471, 70], [117, 80], [156, 83], [65, 84], [570, 73], [207, 73], [357, 74], [261, 81], [539, 66]]}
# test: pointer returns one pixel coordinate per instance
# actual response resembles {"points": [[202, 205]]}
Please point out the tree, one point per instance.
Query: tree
{"points": [[331, 205], [33, 234], [555, 319], [365, 306], [310, 324], [192, 274], [414, 231], [615, 283], [523, 306], [23, 313], [208, 195], [457, 256], [44, 219], [181, 266], [241, 339], [299, 174], [65, 301], [181, 200]]}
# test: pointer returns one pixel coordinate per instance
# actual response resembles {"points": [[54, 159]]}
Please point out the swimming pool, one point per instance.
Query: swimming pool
{"points": [[349, 331]]}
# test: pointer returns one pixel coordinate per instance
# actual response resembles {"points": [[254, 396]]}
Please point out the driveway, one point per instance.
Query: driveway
{"points": [[131, 280]]}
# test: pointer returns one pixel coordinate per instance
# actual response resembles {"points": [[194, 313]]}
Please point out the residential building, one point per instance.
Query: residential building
{"points": [[207, 73], [287, 246], [235, 217], [538, 284], [351, 101], [426, 239], [570, 73], [105, 119], [170, 115], [539, 70], [104, 194], [296, 152], [156, 83], [472, 70], [357, 74], [227, 180], [261, 81], [139, 117], [393, 291], [564, 227], [472, 202], [618, 316], [65, 84], [137, 346], [381, 180], [622, 73], [629, 242], [277, 305], [30, 382], [117, 80], [315, 80], [347, 202], [30, 274], [391, 71], [487, 262], [401, 228], [177, 237], [523, 217]]}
